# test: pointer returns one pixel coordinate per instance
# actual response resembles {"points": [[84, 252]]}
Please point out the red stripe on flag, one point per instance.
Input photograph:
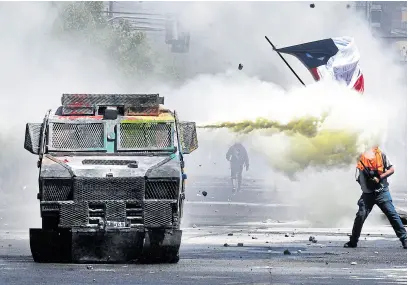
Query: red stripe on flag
{"points": [[315, 73], [359, 85]]}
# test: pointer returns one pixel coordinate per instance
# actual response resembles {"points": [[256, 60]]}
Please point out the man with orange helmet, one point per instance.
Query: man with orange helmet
{"points": [[372, 171]]}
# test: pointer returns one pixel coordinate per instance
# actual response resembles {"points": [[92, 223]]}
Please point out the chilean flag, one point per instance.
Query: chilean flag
{"points": [[336, 58]]}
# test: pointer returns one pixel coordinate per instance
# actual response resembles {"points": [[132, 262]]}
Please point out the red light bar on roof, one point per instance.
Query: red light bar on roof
{"points": [[133, 104]]}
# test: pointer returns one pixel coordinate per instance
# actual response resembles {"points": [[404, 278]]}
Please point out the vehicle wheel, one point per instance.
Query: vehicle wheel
{"points": [[175, 259], [49, 246], [155, 252]]}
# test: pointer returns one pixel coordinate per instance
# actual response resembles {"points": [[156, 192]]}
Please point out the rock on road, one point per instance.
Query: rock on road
{"points": [[210, 253]]}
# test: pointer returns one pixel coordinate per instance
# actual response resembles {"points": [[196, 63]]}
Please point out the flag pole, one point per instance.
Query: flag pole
{"points": [[287, 64]]}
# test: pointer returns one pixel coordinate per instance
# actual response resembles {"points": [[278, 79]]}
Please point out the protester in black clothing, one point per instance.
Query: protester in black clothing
{"points": [[238, 157]]}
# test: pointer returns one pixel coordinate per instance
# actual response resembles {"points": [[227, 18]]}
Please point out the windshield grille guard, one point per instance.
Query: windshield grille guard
{"points": [[152, 136], [91, 136], [77, 136]]}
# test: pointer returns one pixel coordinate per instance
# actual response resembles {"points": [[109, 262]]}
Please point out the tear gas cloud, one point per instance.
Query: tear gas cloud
{"points": [[226, 34], [38, 68]]}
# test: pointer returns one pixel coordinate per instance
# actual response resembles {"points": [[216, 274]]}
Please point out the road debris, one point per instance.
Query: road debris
{"points": [[287, 252], [204, 193], [312, 239]]}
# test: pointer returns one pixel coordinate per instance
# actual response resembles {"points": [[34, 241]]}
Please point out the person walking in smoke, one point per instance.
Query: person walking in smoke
{"points": [[372, 171], [238, 157]]}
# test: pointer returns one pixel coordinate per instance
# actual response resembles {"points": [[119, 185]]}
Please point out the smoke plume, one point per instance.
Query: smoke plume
{"points": [[38, 68]]}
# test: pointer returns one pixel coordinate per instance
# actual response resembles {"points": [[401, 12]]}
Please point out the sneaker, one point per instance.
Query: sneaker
{"points": [[350, 244], [404, 243]]}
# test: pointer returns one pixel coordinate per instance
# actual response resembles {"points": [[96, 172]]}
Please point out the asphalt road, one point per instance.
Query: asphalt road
{"points": [[205, 259]]}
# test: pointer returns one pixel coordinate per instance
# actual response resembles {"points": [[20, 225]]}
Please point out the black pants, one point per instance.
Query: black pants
{"points": [[236, 171]]}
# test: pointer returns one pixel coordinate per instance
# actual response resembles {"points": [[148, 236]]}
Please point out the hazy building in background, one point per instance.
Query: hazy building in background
{"points": [[388, 20]]}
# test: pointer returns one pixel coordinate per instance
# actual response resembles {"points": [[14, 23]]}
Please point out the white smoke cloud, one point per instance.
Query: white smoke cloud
{"points": [[225, 34], [38, 68]]}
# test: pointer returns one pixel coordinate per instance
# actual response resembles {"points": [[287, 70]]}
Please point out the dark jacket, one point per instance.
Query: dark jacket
{"points": [[238, 155]]}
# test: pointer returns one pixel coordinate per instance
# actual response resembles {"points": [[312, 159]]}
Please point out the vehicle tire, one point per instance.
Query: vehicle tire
{"points": [[175, 259], [49, 246], [155, 252]]}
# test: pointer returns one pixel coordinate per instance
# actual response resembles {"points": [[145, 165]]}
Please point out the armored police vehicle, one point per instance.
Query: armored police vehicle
{"points": [[111, 179]]}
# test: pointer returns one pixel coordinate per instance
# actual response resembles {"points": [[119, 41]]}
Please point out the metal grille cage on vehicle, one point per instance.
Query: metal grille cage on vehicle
{"points": [[151, 136], [76, 136]]}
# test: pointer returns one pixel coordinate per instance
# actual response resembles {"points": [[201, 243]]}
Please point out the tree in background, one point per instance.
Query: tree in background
{"points": [[129, 49]]}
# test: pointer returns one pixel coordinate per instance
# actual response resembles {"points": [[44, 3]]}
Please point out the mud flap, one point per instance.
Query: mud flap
{"points": [[161, 246], [81, 246]]}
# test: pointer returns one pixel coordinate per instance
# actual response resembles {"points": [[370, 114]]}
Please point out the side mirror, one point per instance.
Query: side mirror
{"points": [[188, 137], [32, 137]]}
